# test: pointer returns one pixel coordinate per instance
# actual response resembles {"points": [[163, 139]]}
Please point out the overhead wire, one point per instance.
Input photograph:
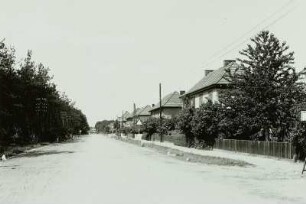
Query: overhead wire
{"points": [[220, 53]]}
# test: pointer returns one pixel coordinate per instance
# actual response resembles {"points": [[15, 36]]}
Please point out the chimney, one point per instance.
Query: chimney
{"points": [[207, 71], [227, 62], [182, 92]]}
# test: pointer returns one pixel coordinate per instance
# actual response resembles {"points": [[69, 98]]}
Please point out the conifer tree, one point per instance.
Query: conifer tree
{"points": [[265, 90]]}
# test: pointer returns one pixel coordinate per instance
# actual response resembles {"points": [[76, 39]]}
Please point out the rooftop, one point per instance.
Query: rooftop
{"points": [[144, 111], [213, 78], [171, 100]]}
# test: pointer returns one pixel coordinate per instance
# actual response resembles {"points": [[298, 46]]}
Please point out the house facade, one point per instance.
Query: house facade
{"points": [[171, 105], [210, 86]]}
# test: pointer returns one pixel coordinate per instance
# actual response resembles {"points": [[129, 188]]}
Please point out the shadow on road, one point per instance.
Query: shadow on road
{"points": [[43, 153], [9, 166]]}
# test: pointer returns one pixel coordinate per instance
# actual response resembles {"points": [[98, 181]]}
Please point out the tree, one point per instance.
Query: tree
{"points": [[8, 85], [103, 126], [29, 123], [265, 89], [117, 125], [184, 124], [169, 124]]}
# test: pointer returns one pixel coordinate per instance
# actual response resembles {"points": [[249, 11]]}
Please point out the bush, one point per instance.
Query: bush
{"points": [[205, 123], [299, 140], [170, 124], [150, 127], [184, 124]]}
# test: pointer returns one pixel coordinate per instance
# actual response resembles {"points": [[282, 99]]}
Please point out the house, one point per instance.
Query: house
{"points": [[130, 120], [142, 115], [210, 86], [171, 105], [123, 119]]}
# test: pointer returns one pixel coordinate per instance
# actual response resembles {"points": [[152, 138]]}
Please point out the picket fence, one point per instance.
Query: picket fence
{"points": [[275, 149]]}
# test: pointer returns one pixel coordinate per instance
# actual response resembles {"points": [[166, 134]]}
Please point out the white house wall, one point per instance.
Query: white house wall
{"points": [[203, 97]]}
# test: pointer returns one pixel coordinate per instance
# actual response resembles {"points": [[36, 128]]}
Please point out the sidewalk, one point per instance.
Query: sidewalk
{"points": [[257, 165]]}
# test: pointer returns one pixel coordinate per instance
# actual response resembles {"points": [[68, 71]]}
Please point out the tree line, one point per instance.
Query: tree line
{"points": [[31, 108], [103, 126]]}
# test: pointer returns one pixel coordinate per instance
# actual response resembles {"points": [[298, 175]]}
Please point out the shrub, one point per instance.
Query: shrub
{"points": [[184, 124], [150, 127], [205, 123], [299, 140]]}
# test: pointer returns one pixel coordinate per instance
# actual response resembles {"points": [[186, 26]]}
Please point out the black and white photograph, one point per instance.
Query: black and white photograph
{"points": [[152, 102]]}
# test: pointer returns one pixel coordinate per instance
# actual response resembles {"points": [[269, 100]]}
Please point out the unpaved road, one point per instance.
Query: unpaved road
{"points": [[98, 169]]}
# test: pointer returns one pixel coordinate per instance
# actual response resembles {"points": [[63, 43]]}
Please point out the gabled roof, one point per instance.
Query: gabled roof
{"points": [[131, 115], [144, 111], [172, 100], [125, 115], [214, 78]]}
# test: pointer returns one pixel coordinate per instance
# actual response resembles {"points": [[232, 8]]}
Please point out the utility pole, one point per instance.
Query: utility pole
{"points": [[160, 114], [122, 119], [134, 115]]}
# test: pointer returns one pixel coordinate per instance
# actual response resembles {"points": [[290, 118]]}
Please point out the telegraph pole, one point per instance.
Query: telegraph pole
{"points": [[160, 113], [134, 115], [122, 119]]}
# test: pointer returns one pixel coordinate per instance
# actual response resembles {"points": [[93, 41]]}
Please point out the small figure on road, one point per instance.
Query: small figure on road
{"points": [[3, 158]]}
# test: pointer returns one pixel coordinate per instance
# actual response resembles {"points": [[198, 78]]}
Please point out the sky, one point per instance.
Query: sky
{"points": [[107, 55]]}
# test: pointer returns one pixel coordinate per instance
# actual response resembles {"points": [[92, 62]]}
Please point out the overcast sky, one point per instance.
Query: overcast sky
{"points": [[105, 55]]}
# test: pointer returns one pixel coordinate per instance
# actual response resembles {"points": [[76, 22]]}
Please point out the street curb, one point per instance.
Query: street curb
{"points": [[184, 155]]}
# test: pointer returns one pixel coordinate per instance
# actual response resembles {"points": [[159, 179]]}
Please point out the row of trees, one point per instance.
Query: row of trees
{"points": [[31, 107], [262, 102], [103, 126]]}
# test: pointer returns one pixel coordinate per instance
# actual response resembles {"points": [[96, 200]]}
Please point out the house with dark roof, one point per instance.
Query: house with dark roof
{"points": [[142, 115], [171, 105], [210, 86], [123, 119], [130, 119]]}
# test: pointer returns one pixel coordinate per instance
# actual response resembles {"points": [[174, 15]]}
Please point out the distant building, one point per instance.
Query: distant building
{"points": [[130, 119], [171, 105], [210, 86], [142, 115], [123, 119]]}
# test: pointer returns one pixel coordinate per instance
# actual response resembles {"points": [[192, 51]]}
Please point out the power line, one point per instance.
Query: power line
{"points": [[253, 28], [217, 55]]}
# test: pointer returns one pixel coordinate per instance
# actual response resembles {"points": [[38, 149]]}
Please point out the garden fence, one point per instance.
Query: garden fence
{"points": [[275, 149]]}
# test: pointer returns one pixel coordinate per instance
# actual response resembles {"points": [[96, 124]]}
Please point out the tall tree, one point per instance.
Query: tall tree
{"points": [[265, 90], [8, 86], [31, 108]]}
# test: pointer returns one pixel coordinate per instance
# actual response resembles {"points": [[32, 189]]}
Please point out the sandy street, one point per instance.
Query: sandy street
{"points": [[98, 169]]}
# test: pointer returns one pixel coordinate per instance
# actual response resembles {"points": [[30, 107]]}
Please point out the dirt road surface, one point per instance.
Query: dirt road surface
{"points": [[100, 170]]}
